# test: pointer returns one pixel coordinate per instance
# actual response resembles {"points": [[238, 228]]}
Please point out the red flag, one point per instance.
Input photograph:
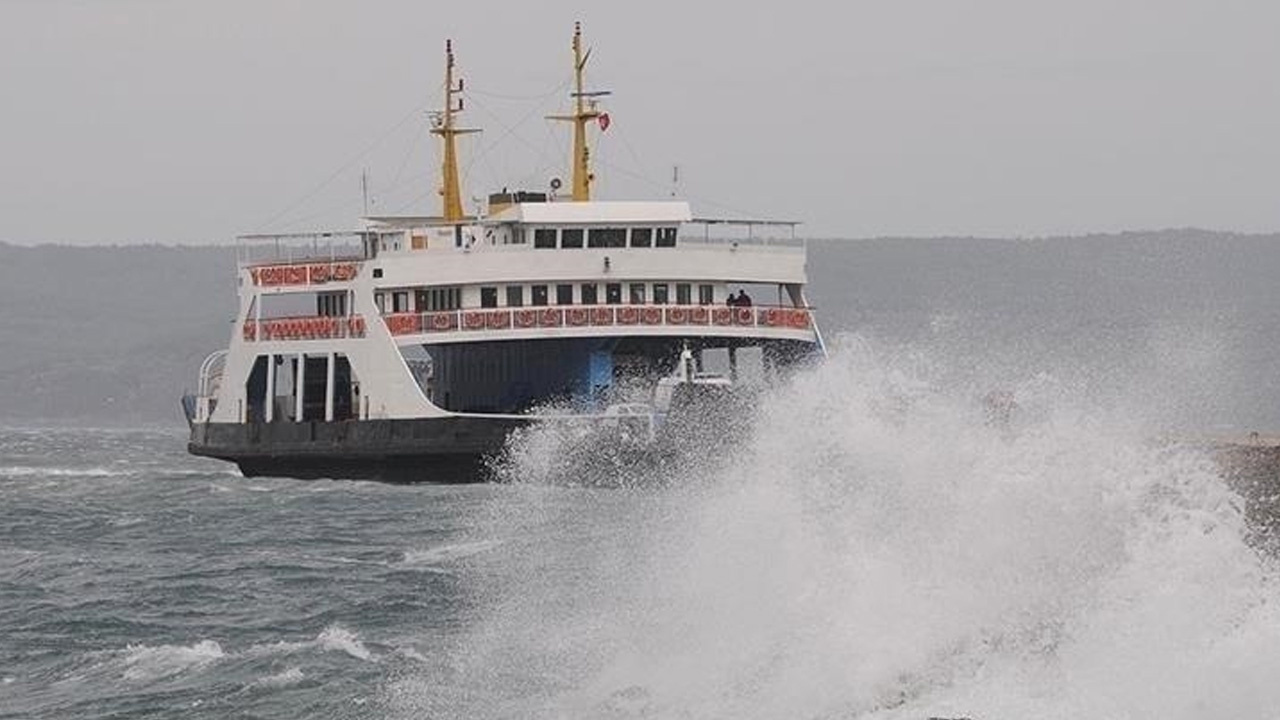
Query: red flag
{"points": [[604, 121]]}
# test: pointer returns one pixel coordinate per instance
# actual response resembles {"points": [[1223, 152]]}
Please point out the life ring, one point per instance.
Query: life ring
{"points": [[296, 275], [525, 318], [250, 332], [443, 321], [628, 315], [677, 316], [699, 315], [653, 316], [577, 316], [800, 319], [743, 316], [550, 317], [319, 273], [722, 316]]}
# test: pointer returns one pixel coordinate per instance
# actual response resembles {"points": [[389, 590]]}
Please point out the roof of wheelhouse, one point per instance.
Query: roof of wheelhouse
{"points": [[595, 212]]}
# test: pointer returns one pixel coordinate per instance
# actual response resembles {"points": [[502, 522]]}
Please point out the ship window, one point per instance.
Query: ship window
{"points": [[400, 301], [544, 238], [706, 294], [659, 293], [666, 237], [571, 238], [684, 295], [377, 272], [380, 300], [515, 295], [539, 293], [564, 294], [613, 293], [331, 304], [641, 237], [637, 293], [607, 237], [488, 297], [589, 296], [437, 299]]}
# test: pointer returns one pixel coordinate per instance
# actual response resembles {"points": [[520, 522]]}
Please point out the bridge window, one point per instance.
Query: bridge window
{"points": [[589, 296], [488, 297], [515, 295], [564, 294], [571, 238], [706, 294], [659, 293], [637, 293], [544, 238], [684, 295], [641, 237], [613, 293], [539, 293], [666, 237], [607, 237]]}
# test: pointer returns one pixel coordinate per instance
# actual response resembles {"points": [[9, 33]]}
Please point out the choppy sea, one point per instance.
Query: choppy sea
{"points": [[874, 548]]}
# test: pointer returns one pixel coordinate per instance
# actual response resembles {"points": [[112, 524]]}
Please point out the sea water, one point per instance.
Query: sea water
{"points": [[874, 546]]}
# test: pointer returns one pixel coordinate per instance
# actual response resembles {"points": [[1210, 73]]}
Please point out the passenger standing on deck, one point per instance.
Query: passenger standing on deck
{"points": [[744, 300]]}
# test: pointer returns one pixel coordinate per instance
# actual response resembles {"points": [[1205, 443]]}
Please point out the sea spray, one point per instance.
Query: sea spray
{"points": [[877, 548]]}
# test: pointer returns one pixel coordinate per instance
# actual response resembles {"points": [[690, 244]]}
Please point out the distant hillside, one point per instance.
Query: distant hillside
{"points": [[114, 335], [108, 335]]}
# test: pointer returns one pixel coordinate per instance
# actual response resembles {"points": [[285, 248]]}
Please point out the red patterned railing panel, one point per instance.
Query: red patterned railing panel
{"points": [[594, 315], [304, 328], [303, 274]]}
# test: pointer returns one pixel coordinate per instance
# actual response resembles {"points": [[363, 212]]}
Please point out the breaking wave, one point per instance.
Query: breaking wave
{"points": [[150, 663], [878, 547]]}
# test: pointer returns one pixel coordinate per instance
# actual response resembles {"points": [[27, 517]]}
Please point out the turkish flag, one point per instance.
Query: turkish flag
{"points": [[604, 121]]}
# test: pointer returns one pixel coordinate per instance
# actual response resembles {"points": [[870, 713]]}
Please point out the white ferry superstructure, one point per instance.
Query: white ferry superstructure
{"points": [[414, 350]]}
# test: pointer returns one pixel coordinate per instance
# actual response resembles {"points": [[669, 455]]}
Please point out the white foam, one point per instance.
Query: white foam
{"points": [[150, 663], [338, 638], [291, 676]]}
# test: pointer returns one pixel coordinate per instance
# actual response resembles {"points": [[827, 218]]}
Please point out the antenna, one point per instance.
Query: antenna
{"points": [[364, 189], [675, 180]]}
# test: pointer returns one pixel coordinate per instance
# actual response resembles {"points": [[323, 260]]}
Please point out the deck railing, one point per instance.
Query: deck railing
{"points": [[599, 316], [304, 328], [303, 274]]}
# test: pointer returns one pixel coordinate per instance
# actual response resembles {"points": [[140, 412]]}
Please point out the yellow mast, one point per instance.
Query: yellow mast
{"points": [[584, 111], [450, 189]]}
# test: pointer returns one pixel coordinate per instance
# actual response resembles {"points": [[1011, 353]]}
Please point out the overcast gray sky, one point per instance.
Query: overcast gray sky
{"points": [[183, 121]]}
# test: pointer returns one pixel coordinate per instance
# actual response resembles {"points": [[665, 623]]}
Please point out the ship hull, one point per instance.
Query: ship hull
{"points": [[427, 450]]}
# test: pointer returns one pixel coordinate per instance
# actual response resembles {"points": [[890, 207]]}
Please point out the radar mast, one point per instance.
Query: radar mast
{"points": [[584, 111], [443, 125]]}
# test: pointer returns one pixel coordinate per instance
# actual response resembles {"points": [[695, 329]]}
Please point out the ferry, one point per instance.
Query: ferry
{"points": [[410, 350]]}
